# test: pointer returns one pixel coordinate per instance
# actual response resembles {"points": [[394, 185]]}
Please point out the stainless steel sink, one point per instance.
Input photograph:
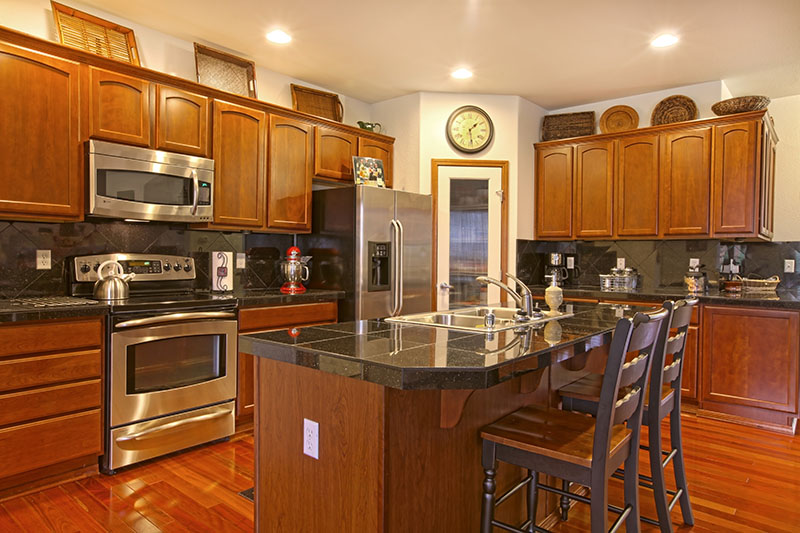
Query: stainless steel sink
{"points": [[473, 319]]}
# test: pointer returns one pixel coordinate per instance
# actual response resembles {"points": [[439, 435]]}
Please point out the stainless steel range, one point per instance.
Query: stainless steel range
{"points": [[170, 359]]}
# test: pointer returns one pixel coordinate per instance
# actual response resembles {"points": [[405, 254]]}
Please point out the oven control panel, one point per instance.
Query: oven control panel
{"points": [[147, 267]]}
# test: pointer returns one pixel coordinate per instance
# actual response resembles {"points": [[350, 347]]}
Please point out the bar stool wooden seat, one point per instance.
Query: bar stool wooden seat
{"points": [[666, 374], [577, 447]]}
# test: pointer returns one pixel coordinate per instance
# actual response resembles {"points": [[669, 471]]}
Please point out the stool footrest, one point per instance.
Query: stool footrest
{"points": [[621, 518], [507, 527], [512, 490]]}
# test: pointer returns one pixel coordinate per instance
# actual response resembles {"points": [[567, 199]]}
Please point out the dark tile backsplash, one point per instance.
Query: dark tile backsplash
{"points": [[660, 263], [20, 240]]}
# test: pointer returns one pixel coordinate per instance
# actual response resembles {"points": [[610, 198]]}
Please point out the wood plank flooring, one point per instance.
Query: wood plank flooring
{"points": [[741, 480]]}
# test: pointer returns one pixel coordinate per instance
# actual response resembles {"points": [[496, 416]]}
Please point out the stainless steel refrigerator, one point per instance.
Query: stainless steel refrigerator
{"points": [[376, 245]]}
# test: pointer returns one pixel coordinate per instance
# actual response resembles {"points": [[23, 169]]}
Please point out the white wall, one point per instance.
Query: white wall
{"points": [[703, 94], [400, 118], [528, 132], [786, 112], [165, 53]]}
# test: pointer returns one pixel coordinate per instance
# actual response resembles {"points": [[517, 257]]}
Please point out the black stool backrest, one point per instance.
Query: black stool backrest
{"points": [[676, 344], [645, 333]]}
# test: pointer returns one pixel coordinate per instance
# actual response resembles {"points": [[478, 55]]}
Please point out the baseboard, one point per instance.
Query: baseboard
{"points": [[43, 478], [790, 429]]}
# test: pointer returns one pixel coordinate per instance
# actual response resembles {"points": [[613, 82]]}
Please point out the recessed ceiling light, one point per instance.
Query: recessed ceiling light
{"points": [[461, 74], [665, 39], [279, 36]]}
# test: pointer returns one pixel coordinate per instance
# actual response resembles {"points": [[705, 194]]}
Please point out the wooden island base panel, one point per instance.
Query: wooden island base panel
{"points": [[399, 412]]}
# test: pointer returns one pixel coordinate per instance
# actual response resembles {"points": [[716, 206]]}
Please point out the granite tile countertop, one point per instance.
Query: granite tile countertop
{"points": [[10, 311], [782, 298], [417, 357]]}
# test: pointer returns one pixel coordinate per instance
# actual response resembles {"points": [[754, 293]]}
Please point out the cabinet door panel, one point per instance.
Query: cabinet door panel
{"points": [[766, 189], [239, 151], [334, 153], [690, 360], [290, 174], [181, 121], [735, 177], [378, 150], [554, 192], [750, 357], [594, 189], [120, 108], [686, 182], [637, 187], [40, 145]]}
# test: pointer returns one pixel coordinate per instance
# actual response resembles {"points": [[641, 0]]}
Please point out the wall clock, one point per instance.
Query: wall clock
{"points": [[469, 129]]}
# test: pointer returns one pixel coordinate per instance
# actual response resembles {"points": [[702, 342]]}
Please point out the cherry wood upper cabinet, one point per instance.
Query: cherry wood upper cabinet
{"points": [[750, 358], [120, 108], [637, 187], [554, 192], [735, 177], [379, 150], [594, 189], [766, 189], [686, 182], [334, 153], [239, 159], [40, 140], [181, 121], [291, 169]]}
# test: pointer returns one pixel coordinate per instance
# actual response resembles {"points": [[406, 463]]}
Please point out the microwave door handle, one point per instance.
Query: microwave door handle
{"points": [[196, 191], [174, 317]]}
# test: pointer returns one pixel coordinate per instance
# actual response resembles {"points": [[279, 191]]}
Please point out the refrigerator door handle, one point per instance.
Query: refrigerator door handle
{"points": [[395, 267], [401, 264]]}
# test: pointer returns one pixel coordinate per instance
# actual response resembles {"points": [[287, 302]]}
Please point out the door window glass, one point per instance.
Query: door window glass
{"points": [[469, 240]]}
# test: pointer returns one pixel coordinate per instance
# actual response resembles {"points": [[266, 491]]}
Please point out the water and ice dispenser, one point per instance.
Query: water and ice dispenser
{"points": [[380, 271]]}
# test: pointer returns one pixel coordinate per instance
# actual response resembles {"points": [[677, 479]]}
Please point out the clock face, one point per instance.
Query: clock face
{"points": [[469, 129]]}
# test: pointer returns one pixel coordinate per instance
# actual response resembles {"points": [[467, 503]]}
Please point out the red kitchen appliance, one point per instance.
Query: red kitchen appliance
{"points": [[294, 271]]}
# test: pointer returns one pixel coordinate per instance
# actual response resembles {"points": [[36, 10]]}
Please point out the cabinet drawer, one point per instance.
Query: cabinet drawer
{"points": [[47, 442], [50, 401], [263, 318], [26, 372], [50, 337]]}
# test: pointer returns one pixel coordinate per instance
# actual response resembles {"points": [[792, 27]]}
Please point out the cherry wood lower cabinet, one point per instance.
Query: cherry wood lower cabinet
{"points": [[50, 402], [260, 319], [750, 364]]}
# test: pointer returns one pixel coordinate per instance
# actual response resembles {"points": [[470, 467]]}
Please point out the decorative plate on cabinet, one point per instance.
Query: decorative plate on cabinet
{"points": [[675, 108], [741, 104], [619, 118]]}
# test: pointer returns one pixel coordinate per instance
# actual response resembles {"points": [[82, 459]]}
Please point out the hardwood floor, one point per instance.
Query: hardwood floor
{"points": [[741, 480]]}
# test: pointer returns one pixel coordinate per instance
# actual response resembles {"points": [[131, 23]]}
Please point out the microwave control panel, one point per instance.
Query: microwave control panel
{"points": [[146, 267]]}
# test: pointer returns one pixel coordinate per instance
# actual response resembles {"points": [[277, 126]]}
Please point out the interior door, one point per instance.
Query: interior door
{"points": [[469, 235]]}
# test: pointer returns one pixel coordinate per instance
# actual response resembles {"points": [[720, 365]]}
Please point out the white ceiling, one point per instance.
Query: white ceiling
{"points": [[554, 53]]}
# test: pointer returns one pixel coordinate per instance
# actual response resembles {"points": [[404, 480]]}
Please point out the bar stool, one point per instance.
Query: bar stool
{"points": [[665, 393], [577, 447]]}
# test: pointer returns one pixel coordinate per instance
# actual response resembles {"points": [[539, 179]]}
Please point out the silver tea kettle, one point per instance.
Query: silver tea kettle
{"points": [[113, 286]]}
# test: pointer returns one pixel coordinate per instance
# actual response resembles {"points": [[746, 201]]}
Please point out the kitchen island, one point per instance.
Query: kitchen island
{"points": [[399, 409]]}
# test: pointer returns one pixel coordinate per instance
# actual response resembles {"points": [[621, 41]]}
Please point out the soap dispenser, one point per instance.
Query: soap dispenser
{"points": [[553, 295]]}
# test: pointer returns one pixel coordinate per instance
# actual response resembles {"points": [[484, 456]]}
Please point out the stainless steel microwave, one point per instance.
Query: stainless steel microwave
{"points": [[143, 184]]}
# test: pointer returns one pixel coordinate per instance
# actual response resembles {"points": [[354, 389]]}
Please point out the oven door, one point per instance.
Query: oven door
{"points": [[171, 363], [149, 190]]}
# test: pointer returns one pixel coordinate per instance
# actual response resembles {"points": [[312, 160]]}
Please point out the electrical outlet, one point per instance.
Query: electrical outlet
{"points": [[570, 262], [43, 259], [311, 438], [693, 262], [788, 265], [241, 261], [620, 262]]}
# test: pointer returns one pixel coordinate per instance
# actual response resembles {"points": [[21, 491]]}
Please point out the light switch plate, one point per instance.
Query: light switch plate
{"points": [[570, 262], [694, 261], [241, 261], [311, 438], [620, 262], [43, 260], [788, 265]]}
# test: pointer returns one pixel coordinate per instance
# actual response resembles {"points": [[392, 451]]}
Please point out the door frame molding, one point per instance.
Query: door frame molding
{"points": [[487, 163]]}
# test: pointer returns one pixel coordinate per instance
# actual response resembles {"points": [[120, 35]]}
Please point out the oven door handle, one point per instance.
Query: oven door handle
{"points": [[172, 425], [174, 317]]}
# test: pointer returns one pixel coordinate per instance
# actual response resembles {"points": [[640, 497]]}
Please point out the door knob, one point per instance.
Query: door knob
{"points": [[445, 286]]}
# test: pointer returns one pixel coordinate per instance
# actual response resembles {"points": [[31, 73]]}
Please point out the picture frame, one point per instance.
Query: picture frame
{"points": [[225, 71], [84, 31], [368, 171]]}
